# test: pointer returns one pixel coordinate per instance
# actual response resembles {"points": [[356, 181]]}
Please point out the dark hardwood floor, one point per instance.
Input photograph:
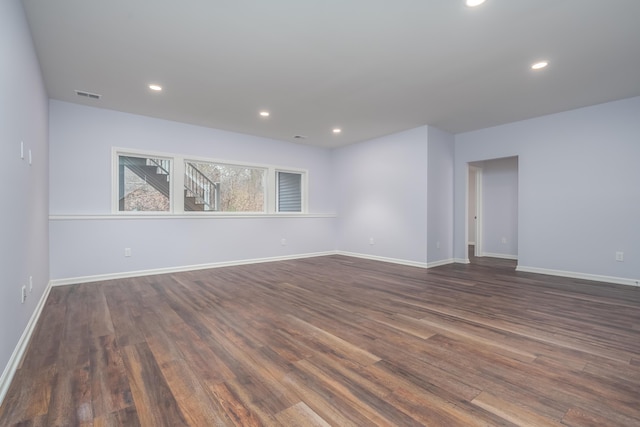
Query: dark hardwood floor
{"points": [[334, 341]]}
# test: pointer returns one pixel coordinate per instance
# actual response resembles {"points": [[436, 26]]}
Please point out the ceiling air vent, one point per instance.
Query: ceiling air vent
{"points": [[88, 94], [299, 137]]}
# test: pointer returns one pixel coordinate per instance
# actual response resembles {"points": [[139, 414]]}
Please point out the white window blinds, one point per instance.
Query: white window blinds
{"points": [[289, 192]]}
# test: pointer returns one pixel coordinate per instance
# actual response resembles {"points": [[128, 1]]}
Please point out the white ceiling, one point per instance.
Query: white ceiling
{"points": [[371, 67]]}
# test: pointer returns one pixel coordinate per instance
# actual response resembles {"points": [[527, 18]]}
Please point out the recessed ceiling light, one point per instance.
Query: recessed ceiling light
{"points": [[337, 130], [474, 3], [539, 65], [157, 88], [264, 113]]}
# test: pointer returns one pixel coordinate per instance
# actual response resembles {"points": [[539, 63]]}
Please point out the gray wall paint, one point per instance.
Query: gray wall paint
{"points": [[82, 139], [440, 196], [81, 248], [81, 148], [382, 194], [23, 217], [578, 192], [500, 207], [379, 188]]}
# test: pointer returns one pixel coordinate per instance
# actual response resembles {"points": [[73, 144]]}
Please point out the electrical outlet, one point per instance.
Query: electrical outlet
{"points": [[504, 240], [30, 283], [371, 241], [127, 252], [23, 294], [438, 245], [620, 256], [283, 242]]}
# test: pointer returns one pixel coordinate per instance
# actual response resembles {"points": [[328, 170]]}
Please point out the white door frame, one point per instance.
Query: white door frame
{"points": [[478, 213]]}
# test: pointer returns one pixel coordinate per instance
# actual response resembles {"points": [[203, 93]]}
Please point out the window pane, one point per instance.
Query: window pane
{"points": [[289, 192], [223, 188], [143, 184]]}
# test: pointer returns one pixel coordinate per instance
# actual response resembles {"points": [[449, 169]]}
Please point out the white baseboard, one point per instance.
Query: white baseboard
{"points": [[576, 275], [21, 347], [503, 256], [461, 261], [397, 260], [168, 270], [441, 262], [384, 259]]}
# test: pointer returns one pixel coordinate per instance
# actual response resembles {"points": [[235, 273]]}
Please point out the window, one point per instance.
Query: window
{"points": [[223, 188], [143, 184], [289, 192], [168, 183]]}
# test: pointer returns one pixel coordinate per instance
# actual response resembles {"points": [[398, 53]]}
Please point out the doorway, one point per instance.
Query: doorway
{"points": [[492, 214], [474, 240]]}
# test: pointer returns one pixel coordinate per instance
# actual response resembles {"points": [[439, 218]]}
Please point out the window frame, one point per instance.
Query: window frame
{"points": [[303, 190], [233, 165], [177, 171], [115, 185]]}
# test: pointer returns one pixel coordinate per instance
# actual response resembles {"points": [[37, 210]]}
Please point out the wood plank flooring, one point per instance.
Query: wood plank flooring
{"points": [[333, 341]]}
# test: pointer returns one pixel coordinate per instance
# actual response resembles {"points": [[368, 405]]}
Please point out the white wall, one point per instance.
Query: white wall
{"points": [[82, 138], [85, 247], [81, 245], [23, 217], [440, 196], [378, 187], [500, 207], [382, 194], [578, 191]]}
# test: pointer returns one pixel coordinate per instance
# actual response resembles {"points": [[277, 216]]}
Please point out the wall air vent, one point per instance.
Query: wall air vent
{"points": [[88, 94]]}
